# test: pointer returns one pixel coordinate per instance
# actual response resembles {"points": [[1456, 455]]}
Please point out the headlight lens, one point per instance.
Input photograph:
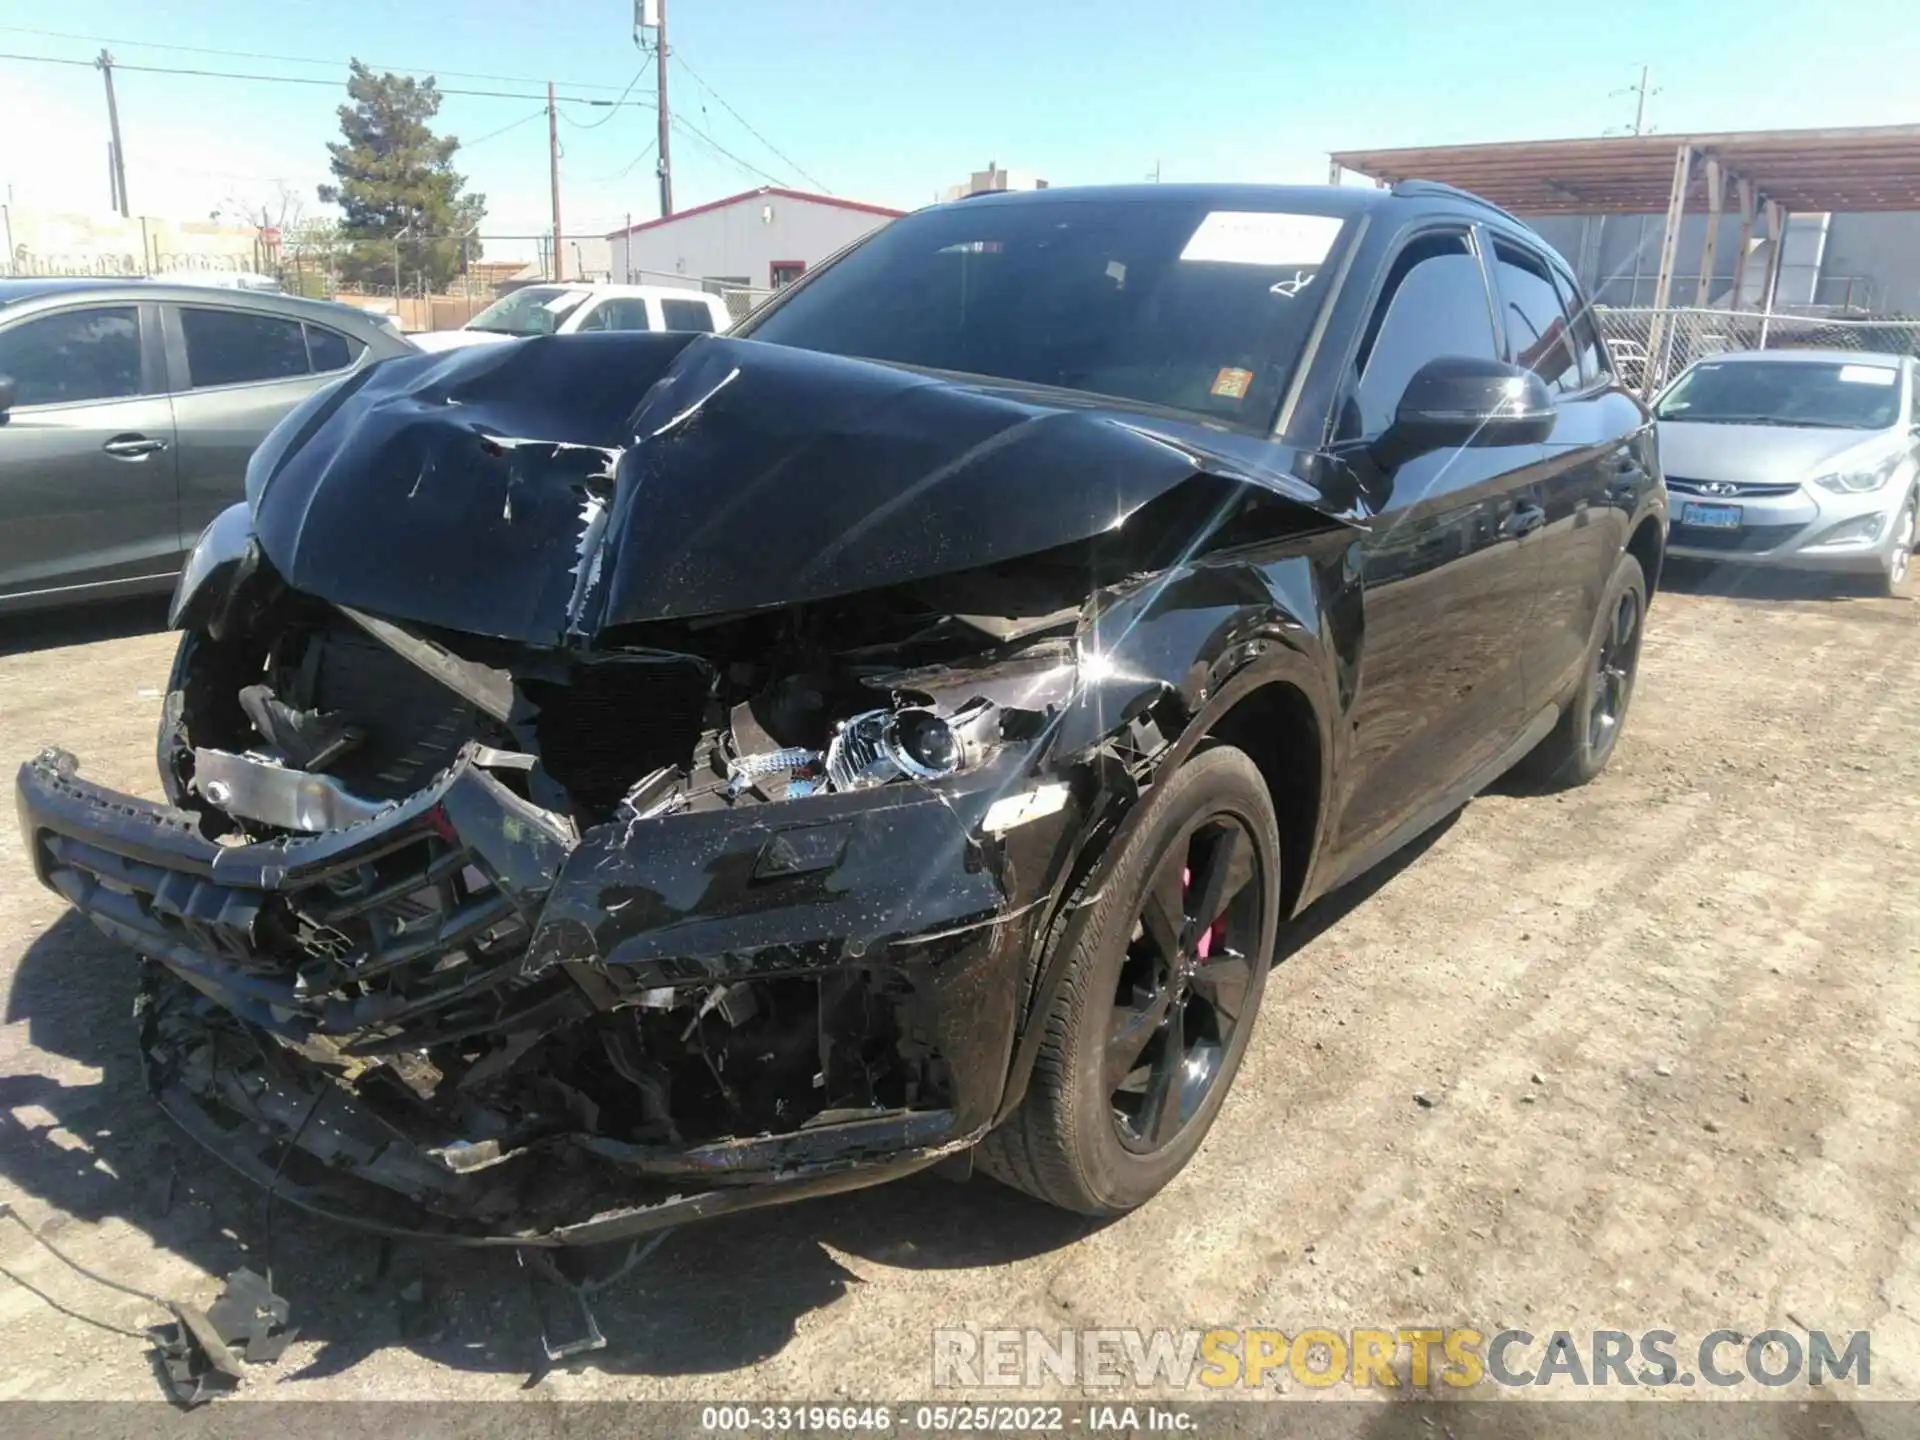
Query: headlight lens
{"points": [[882, 745], [1860, 482]]}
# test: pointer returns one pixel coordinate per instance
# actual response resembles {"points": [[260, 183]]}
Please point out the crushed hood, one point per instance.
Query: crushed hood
{"points": [[543, 490]]}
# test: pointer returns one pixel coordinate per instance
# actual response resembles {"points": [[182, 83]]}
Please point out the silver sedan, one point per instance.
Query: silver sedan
{"points": [[1803, 459]]}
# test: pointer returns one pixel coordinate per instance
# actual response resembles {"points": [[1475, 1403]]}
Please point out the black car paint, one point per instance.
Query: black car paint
{"points": [[1418, 625]]}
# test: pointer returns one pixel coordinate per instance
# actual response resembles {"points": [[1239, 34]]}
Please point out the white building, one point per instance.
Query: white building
{"points": [[762, 239], [994, 178]]}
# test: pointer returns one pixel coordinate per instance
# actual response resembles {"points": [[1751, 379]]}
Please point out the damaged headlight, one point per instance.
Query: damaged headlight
{"points": [[877, 746]]}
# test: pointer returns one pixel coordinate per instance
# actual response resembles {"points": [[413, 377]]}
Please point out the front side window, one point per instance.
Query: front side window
{"points": [[74, 355], [622, 313], [1536, 325], [232, 347], [1808, 394], [686, 315], [1587, 349], [1434, 304], [1170, 304]]}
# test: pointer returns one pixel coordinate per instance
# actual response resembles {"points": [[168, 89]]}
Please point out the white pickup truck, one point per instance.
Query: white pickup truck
{"points": [[570, 309]]}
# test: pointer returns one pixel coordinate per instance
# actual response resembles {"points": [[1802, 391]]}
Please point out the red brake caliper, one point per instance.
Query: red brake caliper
{"points": [[1205, 947]]}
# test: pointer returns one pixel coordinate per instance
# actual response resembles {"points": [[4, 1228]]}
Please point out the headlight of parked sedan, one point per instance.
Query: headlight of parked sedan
{"points": [[1860, 482]]}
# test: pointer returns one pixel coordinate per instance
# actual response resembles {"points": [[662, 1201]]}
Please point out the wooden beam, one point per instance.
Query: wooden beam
{"points": [[1716, 207], [1743, 188], [1660, 335], [1777, 220]]}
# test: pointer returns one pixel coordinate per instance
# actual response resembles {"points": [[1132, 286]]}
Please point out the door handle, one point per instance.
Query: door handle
{"points": [[133, 447], [1524, 521]]}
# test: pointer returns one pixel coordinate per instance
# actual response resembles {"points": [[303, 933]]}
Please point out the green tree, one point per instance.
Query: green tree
{"points": [[396, 183]]}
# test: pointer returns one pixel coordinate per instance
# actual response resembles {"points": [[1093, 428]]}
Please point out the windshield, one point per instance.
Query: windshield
{"points": [[536, 310], [1803, 393], [1171, 304]]}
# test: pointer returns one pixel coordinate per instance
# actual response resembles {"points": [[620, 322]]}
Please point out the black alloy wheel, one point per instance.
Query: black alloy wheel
{"points": [[1185, 980], [1614, 663], [1162, 953], [1591, 719]]}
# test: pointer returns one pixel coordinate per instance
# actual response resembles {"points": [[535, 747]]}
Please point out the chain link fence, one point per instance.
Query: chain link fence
{"points": [[1650, 347]]}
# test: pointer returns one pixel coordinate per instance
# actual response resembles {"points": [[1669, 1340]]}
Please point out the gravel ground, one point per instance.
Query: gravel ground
{"points": [[1663, 1031]]}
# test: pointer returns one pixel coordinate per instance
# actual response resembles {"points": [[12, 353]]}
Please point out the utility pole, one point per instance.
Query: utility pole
{"points": [[118, 169], [553, 169], [666, 158], [1640, 93]]}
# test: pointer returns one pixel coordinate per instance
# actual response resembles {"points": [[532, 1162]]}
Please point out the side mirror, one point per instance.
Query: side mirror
{"points": [[1460, 400], [9, 393]]}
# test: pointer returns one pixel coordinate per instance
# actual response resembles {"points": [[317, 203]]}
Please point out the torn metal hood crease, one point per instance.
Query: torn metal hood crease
{"points": [[542, 491]]}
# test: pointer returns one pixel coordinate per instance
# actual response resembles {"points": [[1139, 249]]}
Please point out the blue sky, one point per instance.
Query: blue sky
{"points": [[892, 100]]}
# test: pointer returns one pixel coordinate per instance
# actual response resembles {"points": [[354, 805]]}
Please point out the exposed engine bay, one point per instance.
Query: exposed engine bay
{"points": [[314, 718]]}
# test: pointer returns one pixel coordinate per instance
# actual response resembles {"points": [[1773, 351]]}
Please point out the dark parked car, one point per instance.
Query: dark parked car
{"points": [[617, 780], [127, 412]]}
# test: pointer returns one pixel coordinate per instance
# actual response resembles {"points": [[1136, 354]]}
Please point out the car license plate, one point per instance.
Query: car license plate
{"points": [[1714, 517]]}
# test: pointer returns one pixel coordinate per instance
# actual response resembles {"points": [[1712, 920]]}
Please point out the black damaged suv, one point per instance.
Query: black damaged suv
{"points": [[617, 780]]}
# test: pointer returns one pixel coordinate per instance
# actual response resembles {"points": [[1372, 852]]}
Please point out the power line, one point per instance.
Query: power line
{"points": [[596, 124], [813, 180], [626, 169], [294, 59], [492, 134], [299, 80], [712, 144]]}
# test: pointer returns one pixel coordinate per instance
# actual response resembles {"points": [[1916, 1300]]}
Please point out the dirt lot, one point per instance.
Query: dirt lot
{"points": [[1666, 1025]]}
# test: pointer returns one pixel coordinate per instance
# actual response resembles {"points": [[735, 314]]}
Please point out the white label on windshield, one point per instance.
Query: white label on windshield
{"points": [[563, 300], [1261, 237], [1866, 375]]}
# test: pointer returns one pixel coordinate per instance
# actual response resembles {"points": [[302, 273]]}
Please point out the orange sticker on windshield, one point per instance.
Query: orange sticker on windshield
{"points": [[1232, 384]]}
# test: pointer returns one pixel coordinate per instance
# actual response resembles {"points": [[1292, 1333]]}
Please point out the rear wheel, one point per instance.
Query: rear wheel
{"points": [[1896, 581], [1166, 973], [1589, 728]]}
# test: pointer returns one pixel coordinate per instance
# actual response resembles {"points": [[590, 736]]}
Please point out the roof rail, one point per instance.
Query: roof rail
{"points": [[1440, 187]]}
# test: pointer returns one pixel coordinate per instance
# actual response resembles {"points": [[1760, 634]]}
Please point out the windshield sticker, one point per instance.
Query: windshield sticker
{"points": [[1232, 383], [1262, 237], [1866, 375], [1287, 289]]}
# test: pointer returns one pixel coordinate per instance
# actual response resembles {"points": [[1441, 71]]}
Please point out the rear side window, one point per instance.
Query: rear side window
{"points": [[1536, 325], [74, 355], [232, 347], [686, 315], [330, 350], [1434, 304]]}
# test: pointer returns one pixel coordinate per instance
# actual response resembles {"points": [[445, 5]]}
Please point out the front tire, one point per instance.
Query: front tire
{"points": [[1149, 1026], [1589, 729], [1896, 581]]}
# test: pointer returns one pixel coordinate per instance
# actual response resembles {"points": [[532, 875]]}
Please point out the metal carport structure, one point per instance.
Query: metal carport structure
{"points": [[1771, 174]]}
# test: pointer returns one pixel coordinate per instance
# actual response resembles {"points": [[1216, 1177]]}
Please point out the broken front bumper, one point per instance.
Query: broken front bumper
{"points": [[279, 1032]]}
